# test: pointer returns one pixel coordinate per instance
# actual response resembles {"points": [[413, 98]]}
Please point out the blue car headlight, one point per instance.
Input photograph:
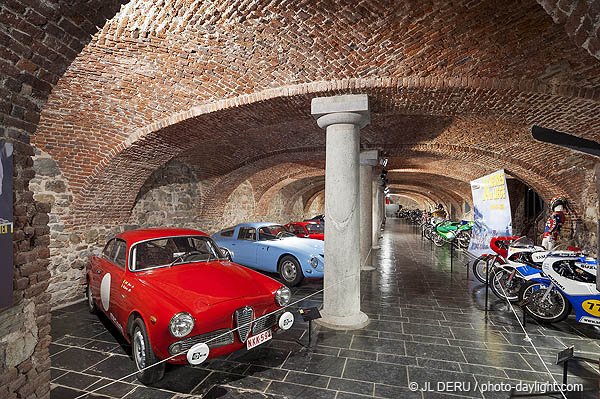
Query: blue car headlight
{"points": [[314, 262]]}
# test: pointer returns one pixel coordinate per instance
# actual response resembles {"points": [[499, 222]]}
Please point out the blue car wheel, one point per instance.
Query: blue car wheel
{"points": [[290, 271]]}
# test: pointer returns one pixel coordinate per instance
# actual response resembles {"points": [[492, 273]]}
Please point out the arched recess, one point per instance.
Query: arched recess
{"points": [[291, 187], [412, 201], [314, 197], [116, 179]]}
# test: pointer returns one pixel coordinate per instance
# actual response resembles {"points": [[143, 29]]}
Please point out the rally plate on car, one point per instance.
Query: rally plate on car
{"points": [[259, 339]]}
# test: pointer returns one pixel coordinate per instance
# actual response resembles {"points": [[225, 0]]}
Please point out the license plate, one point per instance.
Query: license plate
{"points": [[259, 339]]}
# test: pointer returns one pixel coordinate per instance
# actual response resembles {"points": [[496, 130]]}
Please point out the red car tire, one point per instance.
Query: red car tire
{"points": [[144, 356]]}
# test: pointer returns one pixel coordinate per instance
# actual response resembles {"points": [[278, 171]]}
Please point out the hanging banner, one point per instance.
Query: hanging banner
{"points": [[6, 224], [491, 212]]}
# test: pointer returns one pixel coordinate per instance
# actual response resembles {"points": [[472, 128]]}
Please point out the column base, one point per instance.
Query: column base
{"points": [[353, 322], [366, 268]]}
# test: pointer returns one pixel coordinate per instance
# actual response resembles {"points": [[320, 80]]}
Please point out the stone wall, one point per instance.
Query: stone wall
{"points": [[317, 207], [240, 207], [168, 198], [283, 209], [405, 202]]}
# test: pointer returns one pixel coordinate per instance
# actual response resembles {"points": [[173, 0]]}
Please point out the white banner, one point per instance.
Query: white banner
{"points": [[491, 211]]}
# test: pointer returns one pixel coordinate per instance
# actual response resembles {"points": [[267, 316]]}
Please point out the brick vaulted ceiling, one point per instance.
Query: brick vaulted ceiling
{"points": [[226, 86]]}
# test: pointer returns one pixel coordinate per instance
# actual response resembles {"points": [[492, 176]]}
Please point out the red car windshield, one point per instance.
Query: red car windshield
{"points": [[173, 250], [314, 228]]}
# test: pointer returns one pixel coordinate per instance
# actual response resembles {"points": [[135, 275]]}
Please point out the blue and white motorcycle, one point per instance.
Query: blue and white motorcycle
{"points": [[523, 263], [568, 282]]}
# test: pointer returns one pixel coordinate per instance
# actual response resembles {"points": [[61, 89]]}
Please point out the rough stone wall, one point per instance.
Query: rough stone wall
{"points": [[168, 198], [239, 208], [405, 202], [280, 210], [317, 207]]}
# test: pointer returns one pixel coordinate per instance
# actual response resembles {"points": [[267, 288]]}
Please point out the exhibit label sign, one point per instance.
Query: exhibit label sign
{"points": [[491, 211], [6, 224]]}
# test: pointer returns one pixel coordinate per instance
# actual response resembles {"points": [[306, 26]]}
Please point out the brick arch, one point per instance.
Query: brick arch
{"points": [[423, 203], [306, 188], [439, 194], [455, 188], [311, 199], [260, 173], [262, 205], [130, 162], [547, 185], [419, 191]]}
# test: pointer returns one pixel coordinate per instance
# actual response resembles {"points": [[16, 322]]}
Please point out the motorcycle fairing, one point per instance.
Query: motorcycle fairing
{"points": [[587, 308]]}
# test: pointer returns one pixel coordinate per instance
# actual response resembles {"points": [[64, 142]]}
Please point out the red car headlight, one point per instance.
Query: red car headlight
{"points": [[181, 324], [283, 296]]}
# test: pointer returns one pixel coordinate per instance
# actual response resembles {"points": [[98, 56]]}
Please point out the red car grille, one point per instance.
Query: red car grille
{"points": [[263, 323], [243, 318], [213, 339]]}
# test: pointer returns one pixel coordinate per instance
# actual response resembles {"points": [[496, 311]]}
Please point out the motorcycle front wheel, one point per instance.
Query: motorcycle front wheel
{"points": [[463, 239], [438, 239], [502, 287], [480, 266], [552, 310], [427, 232]]}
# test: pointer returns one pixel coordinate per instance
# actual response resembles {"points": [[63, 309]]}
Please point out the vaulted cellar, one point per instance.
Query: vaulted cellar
{"points": [[197, 114]]}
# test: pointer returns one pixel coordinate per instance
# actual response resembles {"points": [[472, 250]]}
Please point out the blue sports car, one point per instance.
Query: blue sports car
{"points": [[270, 247]]}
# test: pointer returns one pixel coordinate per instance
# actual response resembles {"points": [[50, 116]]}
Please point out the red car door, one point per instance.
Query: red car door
{"points": [[109, 277], [98, 268]]}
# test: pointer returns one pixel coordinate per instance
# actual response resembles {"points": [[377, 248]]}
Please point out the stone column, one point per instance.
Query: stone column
{"points": [[368, 159], [342, 117], [376, 210]]}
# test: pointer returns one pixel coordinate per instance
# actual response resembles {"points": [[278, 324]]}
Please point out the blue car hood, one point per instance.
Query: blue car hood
{"points": [[310, 246]]}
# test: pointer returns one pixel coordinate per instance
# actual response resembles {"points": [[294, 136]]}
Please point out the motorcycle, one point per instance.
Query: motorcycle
{"points": [[569, 282], [430, 224], [449, 231], [486, 262], [523, 262]]}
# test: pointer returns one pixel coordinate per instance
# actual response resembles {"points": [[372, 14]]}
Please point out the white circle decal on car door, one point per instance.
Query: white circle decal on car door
{"points": [[105, 291]]}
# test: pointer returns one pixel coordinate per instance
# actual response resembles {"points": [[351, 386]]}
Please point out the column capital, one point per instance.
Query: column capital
{"points": [[369, 158], [346, 109]]}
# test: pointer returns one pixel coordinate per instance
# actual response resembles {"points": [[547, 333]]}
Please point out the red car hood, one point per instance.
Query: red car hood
{"points": [[203, 284]]}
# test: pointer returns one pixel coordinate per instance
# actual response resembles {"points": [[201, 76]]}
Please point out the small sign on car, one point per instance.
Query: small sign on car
{"points": [[198, 354]]}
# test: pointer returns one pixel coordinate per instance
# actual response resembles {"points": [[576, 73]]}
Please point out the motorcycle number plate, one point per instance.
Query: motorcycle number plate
{"points": [[259, 339], [537, 258]]}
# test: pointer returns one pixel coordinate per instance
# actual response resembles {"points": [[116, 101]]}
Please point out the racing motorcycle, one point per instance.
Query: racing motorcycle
{"points": [[523, 262], [486, 262], [448, 231], [569, 281]]}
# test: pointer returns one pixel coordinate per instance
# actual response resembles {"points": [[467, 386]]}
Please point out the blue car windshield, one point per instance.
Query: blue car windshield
{"points": [[273, 232]]}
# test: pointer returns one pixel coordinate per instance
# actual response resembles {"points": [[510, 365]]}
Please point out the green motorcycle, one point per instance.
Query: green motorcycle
{"points": [[448, 231]]}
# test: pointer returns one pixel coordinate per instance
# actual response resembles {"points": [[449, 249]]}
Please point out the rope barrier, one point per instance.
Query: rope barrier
{"points": [[221, 335], [527, 338]]}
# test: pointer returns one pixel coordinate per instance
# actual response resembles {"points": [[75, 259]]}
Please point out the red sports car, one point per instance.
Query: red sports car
{"points": [[307, 230], [167, 290]]}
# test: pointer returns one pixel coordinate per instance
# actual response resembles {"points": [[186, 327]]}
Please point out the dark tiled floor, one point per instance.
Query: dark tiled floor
{"points": [[427, 327]]}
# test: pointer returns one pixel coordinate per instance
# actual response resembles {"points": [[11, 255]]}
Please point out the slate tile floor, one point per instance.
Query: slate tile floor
{"points": [[427, 326]]}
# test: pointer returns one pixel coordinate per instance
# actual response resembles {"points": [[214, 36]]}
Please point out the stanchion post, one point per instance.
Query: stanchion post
{"points": [[451, 257], [487, 282]]}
